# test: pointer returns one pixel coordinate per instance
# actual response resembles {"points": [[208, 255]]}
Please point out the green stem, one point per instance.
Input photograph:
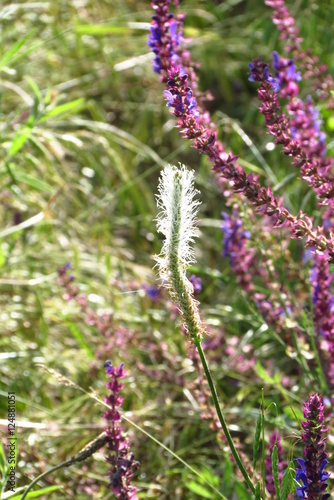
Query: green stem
{"points": [[221, 417], [321, 376], [46, 473], [263, 467]]}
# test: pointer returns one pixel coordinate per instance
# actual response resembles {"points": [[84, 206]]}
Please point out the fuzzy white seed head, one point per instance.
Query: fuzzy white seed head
{"points": [[177, 218]]}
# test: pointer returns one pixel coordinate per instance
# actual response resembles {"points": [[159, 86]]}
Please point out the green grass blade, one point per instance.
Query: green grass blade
{"points": [[258, 491], [274, 462], [62, 110], [80, 338], [256, 444], [16, 47], [33, 182], [287, 483], [19, 140], [35, 494]]}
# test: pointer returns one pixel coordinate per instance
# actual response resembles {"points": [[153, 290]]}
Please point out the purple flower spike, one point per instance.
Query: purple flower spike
{"points": [[311, 473], [120, 459], [165, 38]]}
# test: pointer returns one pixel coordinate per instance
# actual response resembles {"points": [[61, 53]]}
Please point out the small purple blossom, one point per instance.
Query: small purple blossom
{"points": [[196, 283], [285, 72], [233, 238], [274, 82], [153, 292], [181, 104]]}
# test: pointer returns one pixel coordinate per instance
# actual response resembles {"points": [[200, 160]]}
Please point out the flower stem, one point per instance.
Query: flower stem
{"points": [[221, 416]]}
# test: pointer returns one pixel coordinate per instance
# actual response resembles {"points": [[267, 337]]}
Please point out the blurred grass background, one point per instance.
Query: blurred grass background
{"points": [[84, 134]]}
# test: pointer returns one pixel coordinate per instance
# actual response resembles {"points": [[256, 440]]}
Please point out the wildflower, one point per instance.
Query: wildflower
{"points": [[309, 63], [121, 460], [153, 292], [305, 156], [165, 37], [323, 311], [287, 75], [196, 125], [66, 281], [311, 473], [196, 283], [242, 258], [176, 221]]}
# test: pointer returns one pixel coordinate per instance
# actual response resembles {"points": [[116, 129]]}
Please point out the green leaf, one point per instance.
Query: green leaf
{"points": [[256, 444], [293, 414], [2, 460], [263, 374], [241, 491], [102, 30], [15, 48], [274, 462], [36, 494], [19, 140], [330, 123], [34, 87], [287, 482], [2, 261], [64, 109], [228, 475], [258, 491], [79, 337], [199, 490], [33, 182]]}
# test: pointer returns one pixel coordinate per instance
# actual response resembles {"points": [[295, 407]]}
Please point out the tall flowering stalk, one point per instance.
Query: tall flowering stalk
{"points": [[164, 38], [176, 221], [311, 473], [243, 262], [309, 63], [122, 463], [311, 162], [323, 312], [196, 126]]}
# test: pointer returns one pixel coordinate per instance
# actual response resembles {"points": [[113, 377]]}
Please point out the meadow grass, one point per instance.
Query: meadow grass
{"points": [[85, 132]]}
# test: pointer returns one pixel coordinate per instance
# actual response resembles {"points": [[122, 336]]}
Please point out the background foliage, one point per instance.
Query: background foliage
{"points": [[84, 134]]}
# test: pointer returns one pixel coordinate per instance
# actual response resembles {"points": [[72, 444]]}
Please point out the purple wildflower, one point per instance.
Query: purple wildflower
{"points": [[66, 281], [196, 283], [187, 104], [165, 37], [153, 292], [287, 75], [305, 128], [311, 473], [309, 63], [323, 311], [121, 460], [243, 263], [195, 124], [311, 166], [274, 82]]}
